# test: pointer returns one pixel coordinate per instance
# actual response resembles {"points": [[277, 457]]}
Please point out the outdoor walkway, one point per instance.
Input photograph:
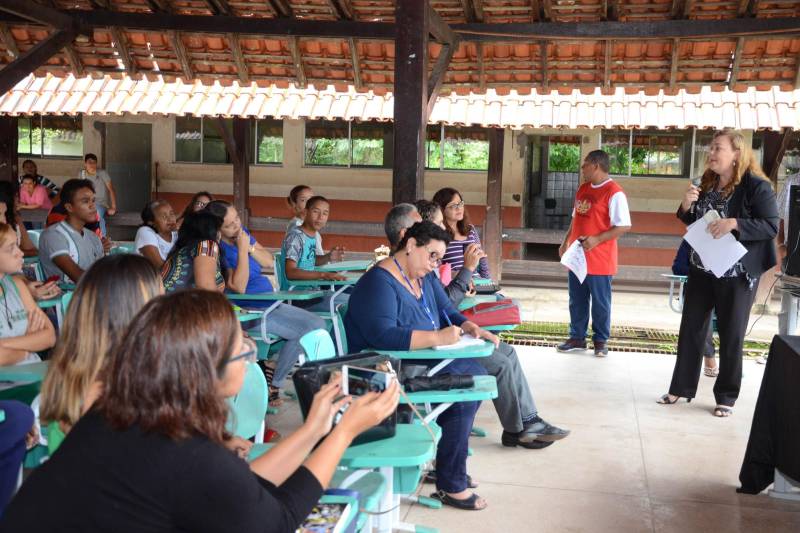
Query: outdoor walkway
{"points": [[629, 465]]}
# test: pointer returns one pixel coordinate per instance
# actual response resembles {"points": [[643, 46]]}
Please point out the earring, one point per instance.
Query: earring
{"points": [[408, 252]]}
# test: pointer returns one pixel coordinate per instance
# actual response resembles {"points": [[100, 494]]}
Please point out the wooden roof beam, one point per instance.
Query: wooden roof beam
{"points": [[438, 73], [737, 60], [440, 30], [297, 59], [180, 52], [42, 14], [342, 9], [238, 57], [673, 67], [282, 8], [477, 6], [608, 45], [121, 44], [356, 62], [219, 7], [37, 56], [159, 6], [469, 12], [8, 40], [797, 71], [547, 7], [481, 67], [536, 10], [543, 65]]}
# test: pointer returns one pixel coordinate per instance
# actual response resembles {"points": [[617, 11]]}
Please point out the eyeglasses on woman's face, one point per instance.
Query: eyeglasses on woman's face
{"points": [[455, 205], [249, 352]]}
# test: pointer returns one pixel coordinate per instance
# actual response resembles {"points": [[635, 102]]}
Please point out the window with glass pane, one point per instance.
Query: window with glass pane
{"points": [[433, 147], [372, 144], [616, 143], [660, 153], [465, 149], [269, 135], [188, 139], [61, 136], [327, 143], [213, 144], [790, 164], [24, 137], [564, 153]]}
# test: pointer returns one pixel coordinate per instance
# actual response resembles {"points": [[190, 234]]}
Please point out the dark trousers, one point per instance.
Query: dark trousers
{"points": [[595, 291], [456, 423], [19, 419], [731, 299]]}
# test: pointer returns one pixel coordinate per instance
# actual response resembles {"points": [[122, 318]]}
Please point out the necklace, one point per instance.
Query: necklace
{"points": [[425, 306]]}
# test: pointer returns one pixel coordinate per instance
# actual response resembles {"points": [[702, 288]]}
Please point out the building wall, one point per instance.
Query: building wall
{"points": [[365, 194]]}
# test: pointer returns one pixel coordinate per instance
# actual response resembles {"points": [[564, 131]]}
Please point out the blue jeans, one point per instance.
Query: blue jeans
{"points": [[323, 304], [290, 323], [19, 420], [101, 215], [595, 290], [456, 423]]}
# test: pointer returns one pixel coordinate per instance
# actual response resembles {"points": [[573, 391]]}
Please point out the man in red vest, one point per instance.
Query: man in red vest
{"points": [[599, 217]]}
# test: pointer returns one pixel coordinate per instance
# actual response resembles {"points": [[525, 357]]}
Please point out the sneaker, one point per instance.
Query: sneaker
{"points": [[600, 349], [571, 345], [540, 430]]}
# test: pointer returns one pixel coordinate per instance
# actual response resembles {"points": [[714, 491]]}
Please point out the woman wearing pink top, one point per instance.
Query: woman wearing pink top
{"points": [[33, 195]]}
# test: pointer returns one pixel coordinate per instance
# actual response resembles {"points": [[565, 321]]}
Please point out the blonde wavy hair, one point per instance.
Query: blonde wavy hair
{"points": [[107, 298], [745, 163]]}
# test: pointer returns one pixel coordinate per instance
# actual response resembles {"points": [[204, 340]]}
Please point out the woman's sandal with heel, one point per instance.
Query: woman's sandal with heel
{"points": [[665, 400]]}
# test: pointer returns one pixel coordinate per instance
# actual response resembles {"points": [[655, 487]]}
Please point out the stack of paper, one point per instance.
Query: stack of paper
{"points": [[464, 342], [575, 260], [717, 255]]}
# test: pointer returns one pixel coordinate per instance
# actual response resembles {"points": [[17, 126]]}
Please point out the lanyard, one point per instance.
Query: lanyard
{"points": [[425, 306]]}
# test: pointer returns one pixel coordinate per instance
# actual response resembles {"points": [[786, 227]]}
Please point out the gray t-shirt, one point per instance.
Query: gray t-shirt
{"points": [[62, 239], [99, 181], [297, 222]]}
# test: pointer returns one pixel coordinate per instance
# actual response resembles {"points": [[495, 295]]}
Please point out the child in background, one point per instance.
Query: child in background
{"points": [[300, 254], [296, 200]]}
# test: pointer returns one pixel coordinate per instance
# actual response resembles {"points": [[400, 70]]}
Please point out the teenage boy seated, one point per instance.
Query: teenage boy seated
{"points": [[68, 248], [299, 250]]}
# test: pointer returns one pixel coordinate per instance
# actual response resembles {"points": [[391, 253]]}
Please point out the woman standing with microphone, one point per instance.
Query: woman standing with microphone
{"points": [[735, 186]]}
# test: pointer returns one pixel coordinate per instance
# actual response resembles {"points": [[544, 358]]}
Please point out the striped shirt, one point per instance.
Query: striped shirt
{"points": [[455, 254]]}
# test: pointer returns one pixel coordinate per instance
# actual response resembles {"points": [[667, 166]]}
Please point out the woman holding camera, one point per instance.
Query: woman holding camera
{"points": [[736, 188]]}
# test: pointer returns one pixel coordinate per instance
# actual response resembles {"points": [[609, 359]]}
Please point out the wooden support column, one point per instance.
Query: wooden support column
{"points": [[775, 144], [493, 225], [410, 99], [241, 167], [8, 149]]}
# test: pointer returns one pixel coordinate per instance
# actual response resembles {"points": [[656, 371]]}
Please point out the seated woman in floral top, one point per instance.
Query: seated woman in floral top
{"points": [[194, 260]]}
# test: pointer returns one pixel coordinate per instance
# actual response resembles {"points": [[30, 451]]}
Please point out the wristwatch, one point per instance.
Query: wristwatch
{"points": [[251, 249]]}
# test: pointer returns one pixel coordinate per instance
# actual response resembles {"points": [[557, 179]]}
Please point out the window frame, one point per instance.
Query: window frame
{"points": [[350, 164], [687, 152], [41, 155], [253, 160]]}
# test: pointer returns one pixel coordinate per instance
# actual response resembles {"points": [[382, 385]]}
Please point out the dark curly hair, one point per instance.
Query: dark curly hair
{"points": [[424, 232]]}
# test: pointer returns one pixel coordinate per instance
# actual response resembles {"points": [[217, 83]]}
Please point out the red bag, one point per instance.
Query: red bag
{"points": [[499, 313]]}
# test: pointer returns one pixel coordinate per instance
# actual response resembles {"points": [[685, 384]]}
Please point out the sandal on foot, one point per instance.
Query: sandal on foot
{"points": [[275, 399], [723, 411], [664, 400], [711, 371], [430, 477], [467, 504]]}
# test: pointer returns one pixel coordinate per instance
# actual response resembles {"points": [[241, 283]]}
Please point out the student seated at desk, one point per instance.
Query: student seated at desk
{"points": [[149, 455], [24, 328], [462, 233], [400, 305], [105, 301], [296, 201], [29, 169], [158, 232], [300, 255], [244, 277], [197, 203], [68, 248], [194, 260], [10, 215], [33, 196]]}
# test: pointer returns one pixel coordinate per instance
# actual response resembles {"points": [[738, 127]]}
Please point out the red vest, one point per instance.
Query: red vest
{"points": [[591, 218]]}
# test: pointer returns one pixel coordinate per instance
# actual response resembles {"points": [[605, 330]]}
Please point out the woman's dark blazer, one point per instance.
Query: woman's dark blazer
{"points": [[755, 209]]}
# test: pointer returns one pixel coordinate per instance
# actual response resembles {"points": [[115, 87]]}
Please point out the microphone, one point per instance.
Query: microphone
{"points": [[696, 182]]}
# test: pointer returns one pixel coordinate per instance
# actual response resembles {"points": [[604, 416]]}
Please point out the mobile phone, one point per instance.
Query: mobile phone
{"points": [[54, 277], [357, 381]]}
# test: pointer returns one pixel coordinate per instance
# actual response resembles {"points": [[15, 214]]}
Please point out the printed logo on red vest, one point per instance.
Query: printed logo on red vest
{"points": [[582, 206]]}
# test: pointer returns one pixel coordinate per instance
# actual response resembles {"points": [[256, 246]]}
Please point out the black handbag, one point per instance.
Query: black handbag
{"points": [[309, 378]]}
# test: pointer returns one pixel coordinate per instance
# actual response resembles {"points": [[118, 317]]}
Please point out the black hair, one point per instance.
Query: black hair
{"points": [[424, 232], [315, 200], [89, 156], [71, 187], [196, 228], [190, 206], [11, 220], [295, 192], [599, 158], [218, 208], [426, 208], [31, 161], [28, 177], [148, 213], [444, 197]]}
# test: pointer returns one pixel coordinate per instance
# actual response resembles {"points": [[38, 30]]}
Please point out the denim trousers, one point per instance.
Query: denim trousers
{"points": [[290, 323], [19, 420], [456, 423], [101, 215], [594, 292]]}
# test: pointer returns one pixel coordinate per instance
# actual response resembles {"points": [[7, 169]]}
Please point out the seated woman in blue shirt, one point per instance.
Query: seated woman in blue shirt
{"points": [[400, 305], [244, 277]]}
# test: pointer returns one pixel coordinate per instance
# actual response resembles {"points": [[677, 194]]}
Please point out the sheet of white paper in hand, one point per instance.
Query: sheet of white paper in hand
{"points": [[717, 255], [575, 260], [465, 341]]}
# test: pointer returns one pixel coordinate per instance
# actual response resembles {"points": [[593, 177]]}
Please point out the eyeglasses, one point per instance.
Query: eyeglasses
{"points": [[458, 205], [249, 352], [433, 258], [200, 204]]}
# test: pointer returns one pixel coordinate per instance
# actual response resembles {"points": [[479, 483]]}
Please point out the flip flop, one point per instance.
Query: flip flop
{"points": [[467, 504], [711, 372], [723, 411]]}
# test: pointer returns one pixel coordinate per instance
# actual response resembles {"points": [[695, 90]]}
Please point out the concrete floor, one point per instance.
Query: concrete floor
{"points": [[629, 465]]}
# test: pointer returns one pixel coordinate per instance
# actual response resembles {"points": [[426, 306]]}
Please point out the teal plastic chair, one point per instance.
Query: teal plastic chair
{"points": [[318, 345], [123, 248], [249, 407], [280, 270], [66, 298], [34, 235]]}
